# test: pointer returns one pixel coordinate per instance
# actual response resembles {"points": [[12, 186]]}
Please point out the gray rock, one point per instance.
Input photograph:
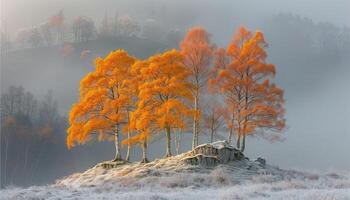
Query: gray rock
{"points": [[212, 154], [201, 159], [111, 164], [262, 161]]}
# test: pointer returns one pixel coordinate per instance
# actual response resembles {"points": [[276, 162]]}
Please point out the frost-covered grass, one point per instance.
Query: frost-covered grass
{"points": [[171, 178], [198, 186]]}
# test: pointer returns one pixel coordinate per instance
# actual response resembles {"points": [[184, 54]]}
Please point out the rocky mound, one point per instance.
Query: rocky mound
{"points": [[204, 159], [211, 171]]}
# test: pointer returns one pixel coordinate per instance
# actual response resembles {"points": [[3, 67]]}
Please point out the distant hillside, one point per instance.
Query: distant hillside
{"points": [[60, 68]]}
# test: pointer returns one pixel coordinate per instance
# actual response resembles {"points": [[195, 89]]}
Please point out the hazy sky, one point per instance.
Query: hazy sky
{"points": [[20, 13]]}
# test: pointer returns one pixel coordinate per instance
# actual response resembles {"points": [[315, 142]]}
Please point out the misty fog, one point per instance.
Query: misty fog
{"points": [[309, 42]]}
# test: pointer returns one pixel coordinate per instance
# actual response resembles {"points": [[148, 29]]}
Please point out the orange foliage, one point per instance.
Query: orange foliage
{"points": [[57, 20], [243, 78], [104, 99], [162, 89], [198, 52]]}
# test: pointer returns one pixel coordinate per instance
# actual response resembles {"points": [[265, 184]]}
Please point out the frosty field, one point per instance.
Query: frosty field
{"points": [[172, 178], [325, 187]]}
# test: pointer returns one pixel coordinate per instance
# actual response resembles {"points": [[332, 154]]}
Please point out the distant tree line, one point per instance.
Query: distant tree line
{"points": [[318, 38], [58, 31], [29, 128], [303, 38]]}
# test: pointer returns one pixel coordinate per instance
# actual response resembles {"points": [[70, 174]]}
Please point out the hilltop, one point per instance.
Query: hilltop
{"points": [[204, 160]]}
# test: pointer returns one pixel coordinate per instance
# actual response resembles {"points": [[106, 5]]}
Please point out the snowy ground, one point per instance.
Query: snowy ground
{"points": [[173, 179], [325, 187]]}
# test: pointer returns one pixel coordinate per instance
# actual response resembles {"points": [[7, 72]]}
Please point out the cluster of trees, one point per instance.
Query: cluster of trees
{"points": [[51, 32], [28, 125], [165, 93], [119, 26], [5, 42], [57, 31], [83, 29]]}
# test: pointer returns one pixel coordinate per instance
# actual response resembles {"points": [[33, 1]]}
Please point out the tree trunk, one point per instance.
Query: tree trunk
{"points": [[14, 169], [231, 129], [212, 126], [144, 152], [197, 118], [38, 160], [194, 134], [229, 139], [238, 141], [197, 133], [243, 144], [177, 141], [116, 143], [246, 117], [197, 137], [26, 157], [5, 167], [168, 142], [127, 158]]}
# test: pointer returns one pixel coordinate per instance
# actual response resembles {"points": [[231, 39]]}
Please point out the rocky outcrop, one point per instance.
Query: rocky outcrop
{"points": [[217, 161], [261, 161], [212, 154], [111, 164], [201, 159]]}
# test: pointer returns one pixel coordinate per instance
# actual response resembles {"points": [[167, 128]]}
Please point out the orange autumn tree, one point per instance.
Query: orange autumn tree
{"points": [[243, 77], [197, 50], [162, 93], [131, 84], [144, 123], [104, 101], [140, 121]]}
